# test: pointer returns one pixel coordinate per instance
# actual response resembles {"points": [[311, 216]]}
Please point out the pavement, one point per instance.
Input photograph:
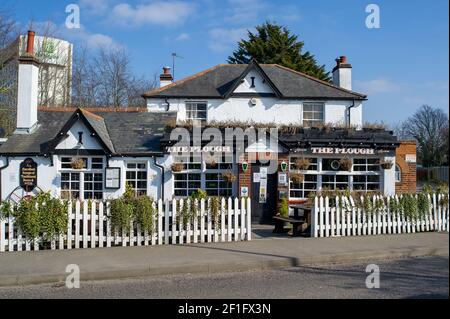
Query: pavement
{"points": [[24, 268], [418, 277]]}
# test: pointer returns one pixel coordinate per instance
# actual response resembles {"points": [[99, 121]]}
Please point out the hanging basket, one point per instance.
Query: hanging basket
{"points": [[177, 167], [386, 164], [297, 178], [346, 164], [77, 163], [229, 177], [302, 163]]}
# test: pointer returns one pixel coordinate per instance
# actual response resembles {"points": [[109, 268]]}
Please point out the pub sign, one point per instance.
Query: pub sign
{"points": [[28, 174]]}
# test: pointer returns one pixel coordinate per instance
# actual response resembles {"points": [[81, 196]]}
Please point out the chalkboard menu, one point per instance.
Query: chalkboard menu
{"points": [[28, 174]]}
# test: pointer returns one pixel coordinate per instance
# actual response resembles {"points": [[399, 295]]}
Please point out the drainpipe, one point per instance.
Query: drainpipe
{"points": [[162, 176], [349, 112], [1, 169]]}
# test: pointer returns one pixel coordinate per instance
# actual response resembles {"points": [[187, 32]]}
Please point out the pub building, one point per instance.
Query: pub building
{"points": [[93, 153]]}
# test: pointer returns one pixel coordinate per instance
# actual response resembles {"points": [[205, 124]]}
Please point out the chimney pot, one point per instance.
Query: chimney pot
{"points": [[30, 42], [165, 78], [166, 70], [343, 59]]}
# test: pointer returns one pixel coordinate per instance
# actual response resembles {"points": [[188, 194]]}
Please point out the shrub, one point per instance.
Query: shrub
{"points": [[283, 211], [346, 164]]}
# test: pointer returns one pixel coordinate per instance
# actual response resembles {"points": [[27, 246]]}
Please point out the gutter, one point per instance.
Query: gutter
{"points": [[162, 176], [1, 169], [349, 112]]}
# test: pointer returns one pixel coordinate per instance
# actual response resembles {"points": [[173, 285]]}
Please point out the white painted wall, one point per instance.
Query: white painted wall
{"points": [[71, 141], [266, 110], [343, 77], [260, 86]]}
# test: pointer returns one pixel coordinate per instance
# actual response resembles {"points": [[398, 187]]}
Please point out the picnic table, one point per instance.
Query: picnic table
{"points": [[301, 216]]}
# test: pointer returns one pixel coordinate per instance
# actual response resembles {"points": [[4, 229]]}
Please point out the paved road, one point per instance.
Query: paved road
{"points": [[425, 277]]}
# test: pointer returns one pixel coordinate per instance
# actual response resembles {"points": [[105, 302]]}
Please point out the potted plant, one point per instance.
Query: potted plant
{"points": [[302, 163], [177, 167], [386, 164], [77, 163], [346, 164], [283, 211], [210, 162], [229, 176], [297, 178]]}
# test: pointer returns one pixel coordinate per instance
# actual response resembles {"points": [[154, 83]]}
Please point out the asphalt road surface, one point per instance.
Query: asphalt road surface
{"points": [[425, 277]]}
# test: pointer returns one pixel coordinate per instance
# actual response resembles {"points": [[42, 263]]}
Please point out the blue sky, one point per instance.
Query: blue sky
{"points": [[401, 66]]}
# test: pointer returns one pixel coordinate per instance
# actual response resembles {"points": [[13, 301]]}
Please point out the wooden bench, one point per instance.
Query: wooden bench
{"points": [[296, 225]]}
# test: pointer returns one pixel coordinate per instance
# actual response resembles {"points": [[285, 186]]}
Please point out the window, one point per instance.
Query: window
{"points": [[334, 182], [366, 165], [313, 114], [196, 111], [93, 186], [204, 174], [302, 190], [70, 185], [398, 174], [136, 177], [82, 183], [366, 182]]}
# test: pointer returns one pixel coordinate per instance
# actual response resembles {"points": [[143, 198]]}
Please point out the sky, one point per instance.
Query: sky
{"points": [[401, 65]]}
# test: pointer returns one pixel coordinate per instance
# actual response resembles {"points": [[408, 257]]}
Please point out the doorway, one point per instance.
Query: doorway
{"points": [[263, 209]]}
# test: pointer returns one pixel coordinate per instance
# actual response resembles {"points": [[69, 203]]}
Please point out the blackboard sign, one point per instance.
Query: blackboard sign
{"points": [[112, 180], [28, 174]]}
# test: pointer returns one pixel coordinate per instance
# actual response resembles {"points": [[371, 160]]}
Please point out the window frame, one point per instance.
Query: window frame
{"points": [[138, 191], [312, 122], [189, 104], [91, 167]]}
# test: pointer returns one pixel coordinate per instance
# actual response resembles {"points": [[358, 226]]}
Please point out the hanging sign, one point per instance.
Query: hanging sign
{"points": [[283, 166], [28, 174], [256, 177], [244, 166], [112, 177], [262, 195], [263, 172]]}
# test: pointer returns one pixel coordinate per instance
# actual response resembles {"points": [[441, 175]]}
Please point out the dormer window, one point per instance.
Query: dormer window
{"points": [[196, 111]]}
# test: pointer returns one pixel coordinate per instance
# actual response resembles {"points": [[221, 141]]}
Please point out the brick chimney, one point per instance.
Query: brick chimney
{"points": [[27, 89], [165, 78], [342, 73]]}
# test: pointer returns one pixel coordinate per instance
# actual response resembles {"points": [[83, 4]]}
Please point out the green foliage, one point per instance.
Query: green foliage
{"points": [[274, 44], [214, 209], [427, 189], [199, 194], [144, 212], [409, 205], [121, 212], [284, 208], [129, 192], [38, 215]]}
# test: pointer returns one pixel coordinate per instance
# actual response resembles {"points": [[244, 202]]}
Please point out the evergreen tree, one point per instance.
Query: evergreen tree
{"points": [[274, 44]]}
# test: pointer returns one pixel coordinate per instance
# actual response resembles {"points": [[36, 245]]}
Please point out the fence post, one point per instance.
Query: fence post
{"points": [[174, 221], [249, 219], [339, 207], [229, 219], [202, 220], [166, 222], [101, 218], [314, 230], [222, 219], [321, 216], [2, 235], [243, 212], [93, 216], [195, 224], [209, 223], [236, 219]]}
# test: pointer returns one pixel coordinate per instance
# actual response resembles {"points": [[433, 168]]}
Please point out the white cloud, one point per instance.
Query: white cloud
{"points": [[222, 39], [93, 7], [183, 37], [244, 11], [160, 13], [375, 86]]}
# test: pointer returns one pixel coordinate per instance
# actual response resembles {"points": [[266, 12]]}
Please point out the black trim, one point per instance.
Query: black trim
{"points": [[250, 94], [252, 65], [78, 152]]}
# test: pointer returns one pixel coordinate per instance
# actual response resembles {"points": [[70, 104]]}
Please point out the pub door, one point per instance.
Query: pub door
{"points": [[262, 211]]}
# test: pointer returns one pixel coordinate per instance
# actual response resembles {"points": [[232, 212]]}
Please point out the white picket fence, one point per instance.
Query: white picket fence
{"points": [[89, 227], [344, 218]]}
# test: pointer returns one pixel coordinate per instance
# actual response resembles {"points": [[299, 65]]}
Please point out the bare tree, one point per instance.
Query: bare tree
{"points": [[429, 127], [106, 79]]}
